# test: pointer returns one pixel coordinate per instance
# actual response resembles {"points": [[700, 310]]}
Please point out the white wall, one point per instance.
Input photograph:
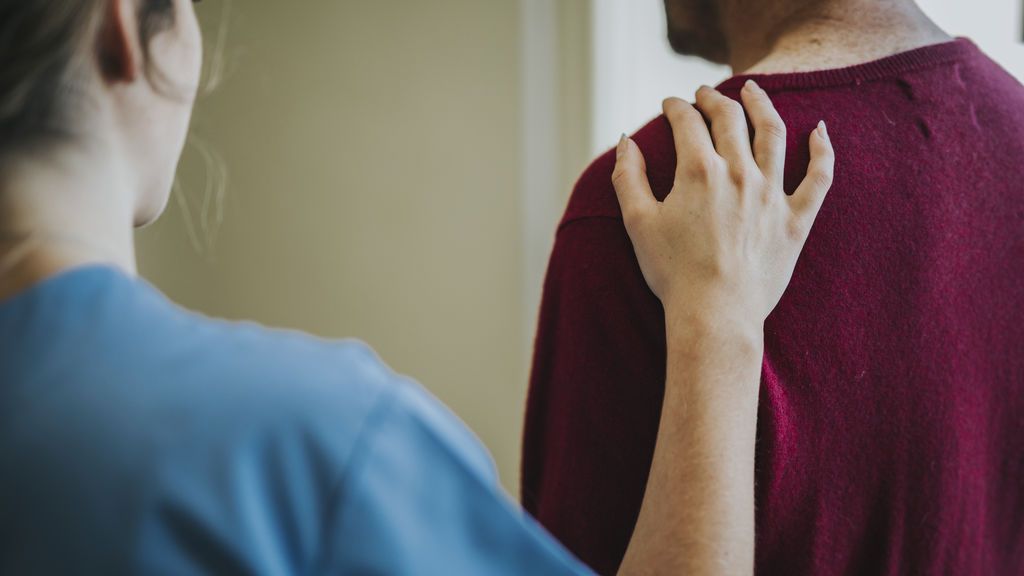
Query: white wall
{"points": [[635, 69], [994, 25]]}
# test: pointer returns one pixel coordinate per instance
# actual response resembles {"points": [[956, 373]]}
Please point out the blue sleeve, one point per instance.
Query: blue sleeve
{"points": [[421, 497]]}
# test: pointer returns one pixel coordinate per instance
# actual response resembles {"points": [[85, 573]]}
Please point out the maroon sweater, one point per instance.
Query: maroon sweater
{"points": [[891, 420]]}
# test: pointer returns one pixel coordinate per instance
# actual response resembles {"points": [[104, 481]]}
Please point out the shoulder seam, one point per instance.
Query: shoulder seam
{"points": [[381, 408]]}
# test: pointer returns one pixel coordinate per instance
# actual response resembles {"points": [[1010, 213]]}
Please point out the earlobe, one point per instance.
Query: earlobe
{"points": [[118, 45]]}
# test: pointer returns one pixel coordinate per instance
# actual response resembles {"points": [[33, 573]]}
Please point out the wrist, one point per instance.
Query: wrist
{"points": [[695, 332], [687, 324]]}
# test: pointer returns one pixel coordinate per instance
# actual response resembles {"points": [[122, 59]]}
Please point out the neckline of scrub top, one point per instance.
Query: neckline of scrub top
{"points": [[57, 280]]}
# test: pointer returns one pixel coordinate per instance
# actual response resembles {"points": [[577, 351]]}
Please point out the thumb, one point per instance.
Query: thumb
{"points": [[630, 181]]}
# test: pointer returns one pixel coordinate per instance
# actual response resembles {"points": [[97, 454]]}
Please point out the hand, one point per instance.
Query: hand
{"points": [[726, 239], [718, 252]]}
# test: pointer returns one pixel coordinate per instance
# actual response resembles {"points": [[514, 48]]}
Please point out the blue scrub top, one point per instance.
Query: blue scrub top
{"points": [[139, 438]]}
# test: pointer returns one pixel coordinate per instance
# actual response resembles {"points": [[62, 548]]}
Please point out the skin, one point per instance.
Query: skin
{"points": [[78, 202], [718, 252], [773, 36]]}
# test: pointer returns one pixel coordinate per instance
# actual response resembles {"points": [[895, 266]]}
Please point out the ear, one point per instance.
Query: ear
{"points": [[119, 45]]}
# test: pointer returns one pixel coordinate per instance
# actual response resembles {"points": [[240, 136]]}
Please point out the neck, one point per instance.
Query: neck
{"points": [[71, 208], [824, 34]]}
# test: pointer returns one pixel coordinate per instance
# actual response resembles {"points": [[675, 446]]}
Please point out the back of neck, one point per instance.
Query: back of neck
{"points": [[62, 210], [831, 34]]}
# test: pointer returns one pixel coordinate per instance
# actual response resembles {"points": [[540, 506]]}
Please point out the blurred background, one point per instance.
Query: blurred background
{"points": [[394, 170]]}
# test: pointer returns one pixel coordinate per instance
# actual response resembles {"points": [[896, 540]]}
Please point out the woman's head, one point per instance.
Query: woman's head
{"points": [[116, 74]]}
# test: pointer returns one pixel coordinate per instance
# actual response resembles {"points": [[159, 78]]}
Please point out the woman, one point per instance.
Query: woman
{"points": [[139, 438]]}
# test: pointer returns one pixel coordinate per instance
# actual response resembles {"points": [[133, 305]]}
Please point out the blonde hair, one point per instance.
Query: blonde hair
{"points": [[42, 43]]}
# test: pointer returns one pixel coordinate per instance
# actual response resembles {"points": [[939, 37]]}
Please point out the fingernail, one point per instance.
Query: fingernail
{"points": [[620, 150], [822, 131], [752, 86]]}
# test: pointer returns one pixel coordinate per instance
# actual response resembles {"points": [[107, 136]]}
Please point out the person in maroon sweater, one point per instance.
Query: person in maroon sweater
{"points": [[891, 415]]}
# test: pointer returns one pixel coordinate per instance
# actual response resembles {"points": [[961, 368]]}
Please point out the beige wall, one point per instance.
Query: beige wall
{"points": [[373, 153]]}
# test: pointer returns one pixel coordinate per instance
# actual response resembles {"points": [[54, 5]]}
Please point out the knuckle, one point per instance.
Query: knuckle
{"points": [[619, 175], [729, 119], [730, 108], [738, 175], [822, 179], [773, 128], [701, 168], [827, 156], [741, 174]]}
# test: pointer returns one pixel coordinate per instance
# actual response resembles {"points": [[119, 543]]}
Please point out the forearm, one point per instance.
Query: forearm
{"points": [[698, 511], [729, 234]]}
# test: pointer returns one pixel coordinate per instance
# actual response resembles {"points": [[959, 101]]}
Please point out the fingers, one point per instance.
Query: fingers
{"points": [[810, 195], [630, 179], [694, 149], [769, 132], [728, 126]]}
